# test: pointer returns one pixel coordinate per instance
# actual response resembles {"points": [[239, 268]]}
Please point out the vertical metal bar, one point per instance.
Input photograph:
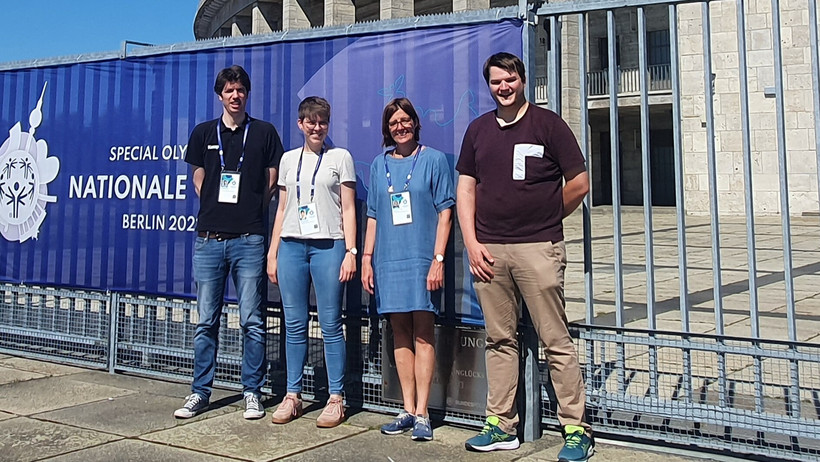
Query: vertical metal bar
{"points": [[555, 64], [530, 384], [674, 51], [113, 315], [784, 203], [587, 204], [709, 92], [614, 139], [754, 312], [647, 201], [815, 81]]}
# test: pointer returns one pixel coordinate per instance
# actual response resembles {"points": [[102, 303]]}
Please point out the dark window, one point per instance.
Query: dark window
{"points": [[657, 47], [603, 52]]}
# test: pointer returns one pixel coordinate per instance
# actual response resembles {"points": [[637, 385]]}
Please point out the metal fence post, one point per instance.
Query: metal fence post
{"points": [[113, 308]]}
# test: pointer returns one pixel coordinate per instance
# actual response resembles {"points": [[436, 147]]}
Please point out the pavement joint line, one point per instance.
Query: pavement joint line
{"points": [[185, 448], [81, 449]]}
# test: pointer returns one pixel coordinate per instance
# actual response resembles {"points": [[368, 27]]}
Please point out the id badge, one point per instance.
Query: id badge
{"points": [[400, 205], [308, 219], [229, 187]]}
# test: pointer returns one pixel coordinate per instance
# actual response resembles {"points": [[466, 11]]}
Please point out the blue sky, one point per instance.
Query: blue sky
{"points": [[36, 29]]}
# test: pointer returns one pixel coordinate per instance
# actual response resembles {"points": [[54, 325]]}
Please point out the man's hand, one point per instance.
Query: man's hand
{"points": [[481, 262]]}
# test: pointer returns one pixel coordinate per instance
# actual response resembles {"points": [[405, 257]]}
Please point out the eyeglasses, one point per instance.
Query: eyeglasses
{"points": [[311, 124], [405, 122]]}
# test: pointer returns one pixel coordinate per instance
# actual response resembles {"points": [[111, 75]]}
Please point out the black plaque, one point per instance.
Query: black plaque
{"points": [[460, 377]]}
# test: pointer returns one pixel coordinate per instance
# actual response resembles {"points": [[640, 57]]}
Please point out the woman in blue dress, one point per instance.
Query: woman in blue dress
{"points": [[409, 215]]}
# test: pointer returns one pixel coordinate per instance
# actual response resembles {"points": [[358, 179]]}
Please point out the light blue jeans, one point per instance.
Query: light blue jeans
{"points": [[299, 262], [244, 259]]}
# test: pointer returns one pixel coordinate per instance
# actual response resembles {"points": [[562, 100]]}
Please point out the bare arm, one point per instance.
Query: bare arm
{"points": [[276, 234], [348, 269], [367, 255], [435, 277], [272, 175], [199, 177], [575, 188], [480, 259]]}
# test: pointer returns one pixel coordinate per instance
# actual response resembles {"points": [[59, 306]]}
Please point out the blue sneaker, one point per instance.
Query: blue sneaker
{"points": [[492, 438], [422, 431], [578, 447], [403, 422]]}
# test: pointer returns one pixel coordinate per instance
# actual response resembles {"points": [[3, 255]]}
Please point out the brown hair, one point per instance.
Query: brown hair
{"points": [[392, 107]]}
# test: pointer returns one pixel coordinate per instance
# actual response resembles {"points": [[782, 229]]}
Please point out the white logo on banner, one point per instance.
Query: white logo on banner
{"points": [[25, 171]]}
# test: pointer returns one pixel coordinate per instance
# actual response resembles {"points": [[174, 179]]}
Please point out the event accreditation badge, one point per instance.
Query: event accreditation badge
{"points": [[229, 187], [308, 219], [400, 205]]}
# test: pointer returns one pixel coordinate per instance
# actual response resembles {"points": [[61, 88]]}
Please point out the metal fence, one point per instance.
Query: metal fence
{"points": [[695, 324]]}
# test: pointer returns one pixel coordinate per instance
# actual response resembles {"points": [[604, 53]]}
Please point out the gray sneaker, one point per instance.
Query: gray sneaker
{"points": [[194, 404], [253, 408]]}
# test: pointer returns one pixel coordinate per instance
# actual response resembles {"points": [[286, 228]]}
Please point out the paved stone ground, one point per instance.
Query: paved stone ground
{"points": [[62, 413], [734, 287]]}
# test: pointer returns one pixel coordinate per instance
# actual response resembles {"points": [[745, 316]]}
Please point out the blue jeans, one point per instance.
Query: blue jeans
{"points": [[299, 262], [244, 259]]}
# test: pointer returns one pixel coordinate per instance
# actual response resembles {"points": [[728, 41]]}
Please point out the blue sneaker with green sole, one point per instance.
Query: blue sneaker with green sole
{"points": [[578, 447], [492, 438]]}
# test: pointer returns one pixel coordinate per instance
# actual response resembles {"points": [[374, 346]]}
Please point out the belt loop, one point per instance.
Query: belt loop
{"points": [[207, 235]]}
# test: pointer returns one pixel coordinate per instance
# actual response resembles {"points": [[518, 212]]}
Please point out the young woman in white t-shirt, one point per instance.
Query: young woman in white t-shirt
{"points": [[314, 238]]}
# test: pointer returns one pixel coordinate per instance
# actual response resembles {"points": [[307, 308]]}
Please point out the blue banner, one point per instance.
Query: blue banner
{"points": [[95, 191]]}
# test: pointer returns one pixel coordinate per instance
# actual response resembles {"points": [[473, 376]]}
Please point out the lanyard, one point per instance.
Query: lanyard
{"points": [[221, 150], [409, 175], [312, 181]]}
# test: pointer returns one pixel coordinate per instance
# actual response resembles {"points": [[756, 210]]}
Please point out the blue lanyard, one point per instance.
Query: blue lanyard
{"points": [[312, 181], [409, 175], [222, 151]]}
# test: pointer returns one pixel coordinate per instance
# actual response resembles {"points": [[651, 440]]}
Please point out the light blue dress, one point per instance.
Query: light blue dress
{"points": [[403, 253]]}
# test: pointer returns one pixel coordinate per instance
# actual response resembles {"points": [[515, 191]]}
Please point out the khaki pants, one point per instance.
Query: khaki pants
{"points": [[534, 272]]}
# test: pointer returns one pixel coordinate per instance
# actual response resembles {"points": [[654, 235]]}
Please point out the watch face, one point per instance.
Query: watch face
{"points": [[439, 257], [354, 250]]}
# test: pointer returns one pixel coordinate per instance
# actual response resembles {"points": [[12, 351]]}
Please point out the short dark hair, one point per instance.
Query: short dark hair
{"points": [[312, 106], [392, 107], [234, 73], [507, 61]]}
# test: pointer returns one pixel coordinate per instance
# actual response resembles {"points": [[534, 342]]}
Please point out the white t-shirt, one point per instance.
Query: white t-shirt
{"points": [[336, 168]]}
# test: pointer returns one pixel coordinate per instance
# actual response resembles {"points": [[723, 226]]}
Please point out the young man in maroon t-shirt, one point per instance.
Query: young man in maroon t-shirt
{"points": [[511, 200]]}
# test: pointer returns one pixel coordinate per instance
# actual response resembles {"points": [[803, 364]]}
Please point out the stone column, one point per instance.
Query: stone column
{"points": [[338, 12], [392, 9], [264, 18], [294, 15], [467, 5]]}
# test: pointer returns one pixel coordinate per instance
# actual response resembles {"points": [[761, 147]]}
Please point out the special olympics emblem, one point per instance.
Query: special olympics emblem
{"points": [[25, 171]]}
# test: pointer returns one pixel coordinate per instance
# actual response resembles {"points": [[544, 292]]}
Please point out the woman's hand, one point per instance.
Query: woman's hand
{"points": [[435, 277], [367, 274], [272, 267], [348, 269]]}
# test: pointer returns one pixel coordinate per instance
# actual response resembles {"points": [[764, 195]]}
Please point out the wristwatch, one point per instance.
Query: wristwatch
{"points": [[439, 257], [353, 250]]}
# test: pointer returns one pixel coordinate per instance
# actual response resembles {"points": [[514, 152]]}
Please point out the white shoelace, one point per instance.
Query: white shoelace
{"points": [[251, 402], [192, 400]]}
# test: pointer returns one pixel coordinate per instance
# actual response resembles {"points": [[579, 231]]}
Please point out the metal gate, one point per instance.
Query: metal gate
{"points": [[697, 324]]}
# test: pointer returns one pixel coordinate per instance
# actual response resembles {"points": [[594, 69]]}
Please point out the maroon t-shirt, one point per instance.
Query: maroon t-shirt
{"points": [[519, 171]]}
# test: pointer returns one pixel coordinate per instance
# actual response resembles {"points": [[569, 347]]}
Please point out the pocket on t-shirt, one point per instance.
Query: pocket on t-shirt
{"points": [[520, 153]]}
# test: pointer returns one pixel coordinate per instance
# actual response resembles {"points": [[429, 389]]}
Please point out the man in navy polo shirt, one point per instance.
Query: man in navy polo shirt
{"points": [[521, 173], [234, 161]]}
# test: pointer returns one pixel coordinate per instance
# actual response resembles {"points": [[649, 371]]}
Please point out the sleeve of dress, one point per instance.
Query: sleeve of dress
{"points": [[372, 189], [443, 195]]}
